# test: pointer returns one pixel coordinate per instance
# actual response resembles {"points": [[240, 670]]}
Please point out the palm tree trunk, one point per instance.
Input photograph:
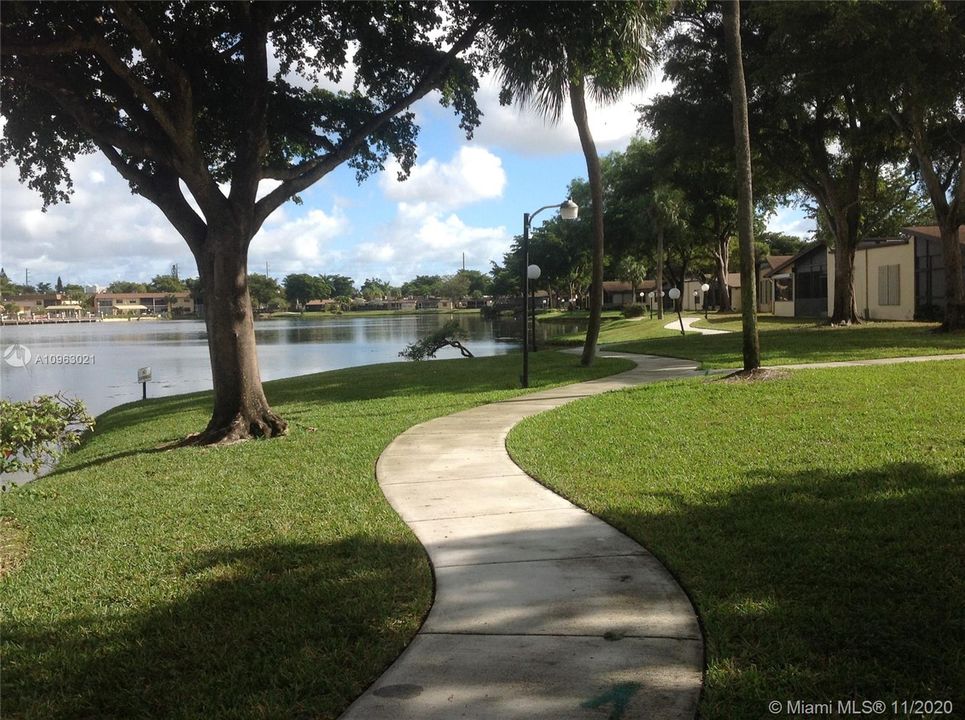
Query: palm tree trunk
{"points": [[578, 105], [745, 192], [658, 291]]}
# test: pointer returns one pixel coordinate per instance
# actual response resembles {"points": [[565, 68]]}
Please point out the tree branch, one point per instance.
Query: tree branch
{"points": [[140, 90], [252, 143], [87, 119], [347, 148], [163, 190]]}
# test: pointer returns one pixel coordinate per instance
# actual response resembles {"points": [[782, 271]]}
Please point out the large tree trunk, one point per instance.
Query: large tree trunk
{"points": [[241, 410], [722, 260], [845, 310], [745, 192], [659, 289], [578, 105], [948, 211]]}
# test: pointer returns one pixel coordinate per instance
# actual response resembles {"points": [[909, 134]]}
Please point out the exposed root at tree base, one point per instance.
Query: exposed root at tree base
{"points": [[238, 429], [755, 375]]}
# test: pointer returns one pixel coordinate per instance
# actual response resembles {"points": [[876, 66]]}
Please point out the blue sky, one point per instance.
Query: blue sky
{"points": [[463, 197]]}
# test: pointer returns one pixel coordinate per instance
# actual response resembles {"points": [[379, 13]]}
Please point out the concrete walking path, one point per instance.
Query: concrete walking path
{"points": [[688, 323], [541, 610], [873, 361]]}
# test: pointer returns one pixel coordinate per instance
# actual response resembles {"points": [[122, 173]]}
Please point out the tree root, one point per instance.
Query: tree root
{"points": [[238, 429]]}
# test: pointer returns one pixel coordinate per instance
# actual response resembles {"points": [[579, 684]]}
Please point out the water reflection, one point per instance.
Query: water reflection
{"points": [[178, 353]]}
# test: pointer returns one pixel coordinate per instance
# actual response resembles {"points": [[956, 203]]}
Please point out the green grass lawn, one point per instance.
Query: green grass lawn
{"points": [[264, 580], [817, 522], [783, 341], [617, 329], [567, 315]]}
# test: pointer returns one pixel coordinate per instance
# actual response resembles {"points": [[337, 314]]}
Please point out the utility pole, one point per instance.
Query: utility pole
{"points": [[26, 279]]}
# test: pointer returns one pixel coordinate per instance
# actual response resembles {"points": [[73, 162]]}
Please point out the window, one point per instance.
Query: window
{"points": [[782, 290], [889, 288]]}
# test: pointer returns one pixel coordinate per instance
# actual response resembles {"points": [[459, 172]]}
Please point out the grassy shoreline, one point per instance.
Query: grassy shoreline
{"points": [[323, 315], [266, 579]]}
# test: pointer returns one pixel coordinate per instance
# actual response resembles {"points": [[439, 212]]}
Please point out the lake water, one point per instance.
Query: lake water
{"points": [[98, 362]]}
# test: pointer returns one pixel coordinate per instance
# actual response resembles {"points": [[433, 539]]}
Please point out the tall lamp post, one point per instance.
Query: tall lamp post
{"points": [[704, 288], [650, 298], [533, 272], [675, 295], [569, 210]]}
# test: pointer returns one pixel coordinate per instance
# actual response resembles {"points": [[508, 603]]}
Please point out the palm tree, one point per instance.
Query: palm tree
{"points": [[745, 193], [547, 52], [632, 271], [664, 213]]}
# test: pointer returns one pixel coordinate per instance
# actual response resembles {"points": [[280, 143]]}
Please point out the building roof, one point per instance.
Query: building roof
{"points": [[612, 286], [873, 242], [773, 262], [932, 232], [806, 250]]}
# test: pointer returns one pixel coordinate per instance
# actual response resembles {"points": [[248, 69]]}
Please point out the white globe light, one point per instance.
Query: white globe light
{"points": [[705, 287], [650, 294], [674, 293], [533, 272], [569, 210]]}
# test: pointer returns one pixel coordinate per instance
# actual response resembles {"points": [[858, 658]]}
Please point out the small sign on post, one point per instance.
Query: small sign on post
{"points": [[143, 377]]}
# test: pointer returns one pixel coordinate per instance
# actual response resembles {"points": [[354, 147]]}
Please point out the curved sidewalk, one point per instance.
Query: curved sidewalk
{"points": [[541, 609], [688, 325]]}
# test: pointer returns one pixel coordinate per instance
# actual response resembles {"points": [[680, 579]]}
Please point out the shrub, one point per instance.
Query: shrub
{"points": [[633, 310], [38, 432]]}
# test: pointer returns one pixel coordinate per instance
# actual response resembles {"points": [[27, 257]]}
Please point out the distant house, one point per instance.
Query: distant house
{"points": [[900, 278], [51, 304], [930, 269], [433, 303], [320, 305], [143, 303], [617, 293], [766, 268]]}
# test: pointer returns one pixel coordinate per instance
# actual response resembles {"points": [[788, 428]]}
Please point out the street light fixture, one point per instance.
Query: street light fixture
{"points": [[704, 288], [650, 299], [569, 210]]}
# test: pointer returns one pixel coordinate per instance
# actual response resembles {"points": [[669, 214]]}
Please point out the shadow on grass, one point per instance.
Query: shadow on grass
{"points": [[813, 344], [278, 630], [822, 584]]}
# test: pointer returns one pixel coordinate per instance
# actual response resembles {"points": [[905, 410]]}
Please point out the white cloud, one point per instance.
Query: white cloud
{"points": [[473, 174], [524, 131], [791, 221], [422, 239], [102, 234], [301, 244], [105, 233]]}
